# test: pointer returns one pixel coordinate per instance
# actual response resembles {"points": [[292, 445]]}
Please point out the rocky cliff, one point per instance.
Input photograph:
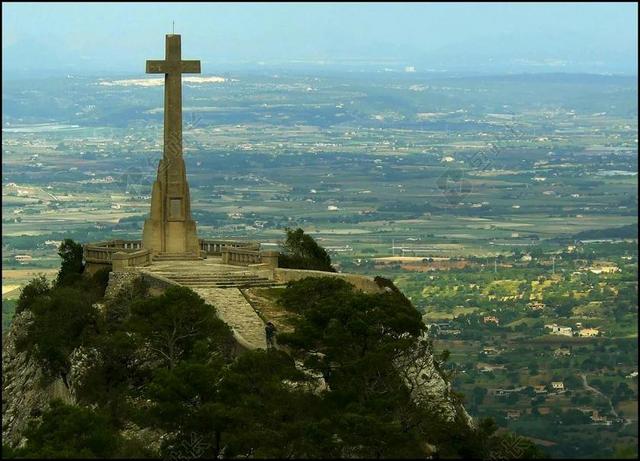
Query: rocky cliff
{"points": [[28, 391]]}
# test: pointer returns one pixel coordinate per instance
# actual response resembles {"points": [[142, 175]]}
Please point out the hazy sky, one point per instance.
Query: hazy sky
{"points": [[490, 37]]}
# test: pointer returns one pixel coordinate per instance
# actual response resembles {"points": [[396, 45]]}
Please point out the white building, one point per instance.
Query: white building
{"points": [[558, 330]]}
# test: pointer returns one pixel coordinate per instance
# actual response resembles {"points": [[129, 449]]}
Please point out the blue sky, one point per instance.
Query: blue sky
{"points": [[488, 37]]}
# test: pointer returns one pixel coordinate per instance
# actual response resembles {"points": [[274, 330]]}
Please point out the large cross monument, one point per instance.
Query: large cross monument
{"points": [[169, 231]]}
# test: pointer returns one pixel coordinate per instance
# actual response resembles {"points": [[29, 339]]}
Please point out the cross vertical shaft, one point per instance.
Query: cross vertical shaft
{"points": [[173, 67], [170, 229]]}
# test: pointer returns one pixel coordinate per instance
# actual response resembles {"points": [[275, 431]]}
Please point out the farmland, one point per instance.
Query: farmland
{"points": [[497, 204]]}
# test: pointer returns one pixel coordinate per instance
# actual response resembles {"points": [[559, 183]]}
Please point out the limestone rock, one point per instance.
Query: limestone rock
{"points": [[26, 390], [119, 281]]}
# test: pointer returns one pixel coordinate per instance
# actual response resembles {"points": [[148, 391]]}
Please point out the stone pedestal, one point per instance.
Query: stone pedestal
{"points": [[270, 258], [169, 230]]}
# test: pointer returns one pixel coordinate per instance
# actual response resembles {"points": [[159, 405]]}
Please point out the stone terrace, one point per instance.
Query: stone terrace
{"points": [[219, 285]]}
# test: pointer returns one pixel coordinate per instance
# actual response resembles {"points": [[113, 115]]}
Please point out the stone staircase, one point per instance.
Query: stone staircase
{"points": [[176, 257], [219, 285], [233, 309], [217, 279]]}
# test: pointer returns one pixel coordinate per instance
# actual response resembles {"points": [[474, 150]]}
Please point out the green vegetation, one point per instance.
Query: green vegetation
{"points": [[62, 321], [168, 364], [500, 367], [300, 251], [39, 286], [72, 264], [68, 431]]}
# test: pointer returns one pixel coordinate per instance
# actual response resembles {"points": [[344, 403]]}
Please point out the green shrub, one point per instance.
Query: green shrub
{"points": [[302, 252], [68, 431], [38, 286], [61, 320], [72, 264]]}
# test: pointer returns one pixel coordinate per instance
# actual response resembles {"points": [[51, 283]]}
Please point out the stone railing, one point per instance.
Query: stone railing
{"points": [[122, 244], [99, 255], [214, 247], [247, 257], [121, 261], [240, 256], [130, 253], [101, 252]]}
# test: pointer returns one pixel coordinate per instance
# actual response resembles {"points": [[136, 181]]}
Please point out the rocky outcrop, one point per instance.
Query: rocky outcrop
{"points": [[27, 391], [119, 281], [427, 385]]}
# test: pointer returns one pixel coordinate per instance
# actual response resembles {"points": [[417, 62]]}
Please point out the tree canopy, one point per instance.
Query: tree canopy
{"points": [[301, 251]]}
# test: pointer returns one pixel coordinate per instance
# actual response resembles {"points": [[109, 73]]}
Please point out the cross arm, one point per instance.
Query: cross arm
{"points": [[165, 67], [157, 67], [190, 67]]}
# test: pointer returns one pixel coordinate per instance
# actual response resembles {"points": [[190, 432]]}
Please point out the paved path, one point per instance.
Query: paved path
{"points": [[230, 304], [235, 311], [593, 389]]}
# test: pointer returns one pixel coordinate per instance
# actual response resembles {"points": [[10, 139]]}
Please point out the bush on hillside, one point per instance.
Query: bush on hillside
{"points": [[302, 252]]}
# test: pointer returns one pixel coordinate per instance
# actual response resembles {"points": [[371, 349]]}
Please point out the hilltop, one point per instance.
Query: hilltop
{"points": [[142, 372]]}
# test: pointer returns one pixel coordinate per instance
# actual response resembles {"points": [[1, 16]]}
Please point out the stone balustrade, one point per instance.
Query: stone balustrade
{"points": [[100, 255], [214, 247], [121, 260], [130, 253], [240, 256], [246, 257]]}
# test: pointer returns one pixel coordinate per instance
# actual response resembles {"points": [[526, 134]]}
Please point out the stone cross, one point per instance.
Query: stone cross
{"points": [[169, 232], [173, 67]]}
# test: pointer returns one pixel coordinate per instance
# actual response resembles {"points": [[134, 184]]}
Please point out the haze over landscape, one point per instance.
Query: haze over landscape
{"points": [[478, 38]]}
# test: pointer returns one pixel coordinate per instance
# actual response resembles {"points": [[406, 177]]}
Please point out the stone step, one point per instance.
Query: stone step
{"points": [[213, 279], [221, 282], [204, 274], [176, 257], [216, 280], [213, 276], [235, 311], [230, 285]]}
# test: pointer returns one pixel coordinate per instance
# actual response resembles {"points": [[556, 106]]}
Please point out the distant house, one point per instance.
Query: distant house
{"points": [[633, 374], [22, 259], [562, 352], [513, 414], [491, 319], [558, 330], [557, 385], [588, 332], [604, 269], [540, 389], [526, 258], [600, 419], [536, 306], [453, 331], [505, 392], [489, 350], [486, 368]]}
